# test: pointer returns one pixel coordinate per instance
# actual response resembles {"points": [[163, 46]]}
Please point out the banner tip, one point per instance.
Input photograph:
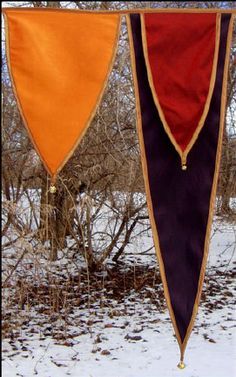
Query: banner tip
{"points": [[181, 365]]}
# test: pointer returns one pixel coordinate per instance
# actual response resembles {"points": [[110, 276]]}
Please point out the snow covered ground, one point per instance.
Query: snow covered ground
{"points": [[137, 346], [132, 337], [155, 354]]}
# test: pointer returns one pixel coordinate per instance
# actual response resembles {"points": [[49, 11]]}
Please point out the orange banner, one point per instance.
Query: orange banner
{"points": [[59, 64]]}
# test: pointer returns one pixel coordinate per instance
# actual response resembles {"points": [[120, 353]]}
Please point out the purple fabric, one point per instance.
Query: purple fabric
{"points": [[180, 198]]}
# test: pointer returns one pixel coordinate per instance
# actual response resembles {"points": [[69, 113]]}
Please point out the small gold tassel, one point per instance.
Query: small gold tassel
{"points": [[181, 365], [52, 188], [184, 162]]}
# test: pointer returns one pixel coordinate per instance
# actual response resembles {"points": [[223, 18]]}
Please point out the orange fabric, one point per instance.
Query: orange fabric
{"points": [[181, 50], [59, 64]]}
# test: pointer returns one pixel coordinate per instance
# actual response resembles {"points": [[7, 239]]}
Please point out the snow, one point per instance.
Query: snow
{"points": [[154, 355], [136, 338]]}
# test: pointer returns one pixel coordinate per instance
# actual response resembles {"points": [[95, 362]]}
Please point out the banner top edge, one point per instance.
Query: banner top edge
{"points": [[125, 11]]}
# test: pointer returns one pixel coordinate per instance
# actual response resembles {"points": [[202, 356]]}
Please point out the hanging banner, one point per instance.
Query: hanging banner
{"points": [[59, 64], [180, 64]]}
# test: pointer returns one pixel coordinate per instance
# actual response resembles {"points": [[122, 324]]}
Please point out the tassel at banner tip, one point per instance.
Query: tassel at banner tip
{"points": [[184, 162], [52, 188], [181, 365]]}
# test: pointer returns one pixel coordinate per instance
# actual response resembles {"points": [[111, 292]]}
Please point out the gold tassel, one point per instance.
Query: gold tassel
{"points": [[184, 162], [52, 188], [181, 364]]}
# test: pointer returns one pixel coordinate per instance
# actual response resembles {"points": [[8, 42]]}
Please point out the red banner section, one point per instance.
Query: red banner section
{"points": [[181, 52]]}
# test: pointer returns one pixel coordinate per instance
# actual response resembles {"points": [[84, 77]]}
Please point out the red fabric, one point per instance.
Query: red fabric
{"points": [[181, 51]]}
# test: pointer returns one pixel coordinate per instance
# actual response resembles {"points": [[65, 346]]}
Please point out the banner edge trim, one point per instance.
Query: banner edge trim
{"points": [[125, 12]]}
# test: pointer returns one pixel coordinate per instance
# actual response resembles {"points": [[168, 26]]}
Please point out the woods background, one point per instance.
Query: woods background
{"points": [[100, 206]]}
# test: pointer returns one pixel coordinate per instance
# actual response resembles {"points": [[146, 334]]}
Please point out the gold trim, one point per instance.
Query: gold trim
{"points": [[183, 154], [182, 345], [146, 181], [92, 114], [124, 12], [214, 186]]}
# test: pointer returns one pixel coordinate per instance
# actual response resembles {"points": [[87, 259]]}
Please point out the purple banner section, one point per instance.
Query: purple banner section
{"points": [[180, 198]]}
